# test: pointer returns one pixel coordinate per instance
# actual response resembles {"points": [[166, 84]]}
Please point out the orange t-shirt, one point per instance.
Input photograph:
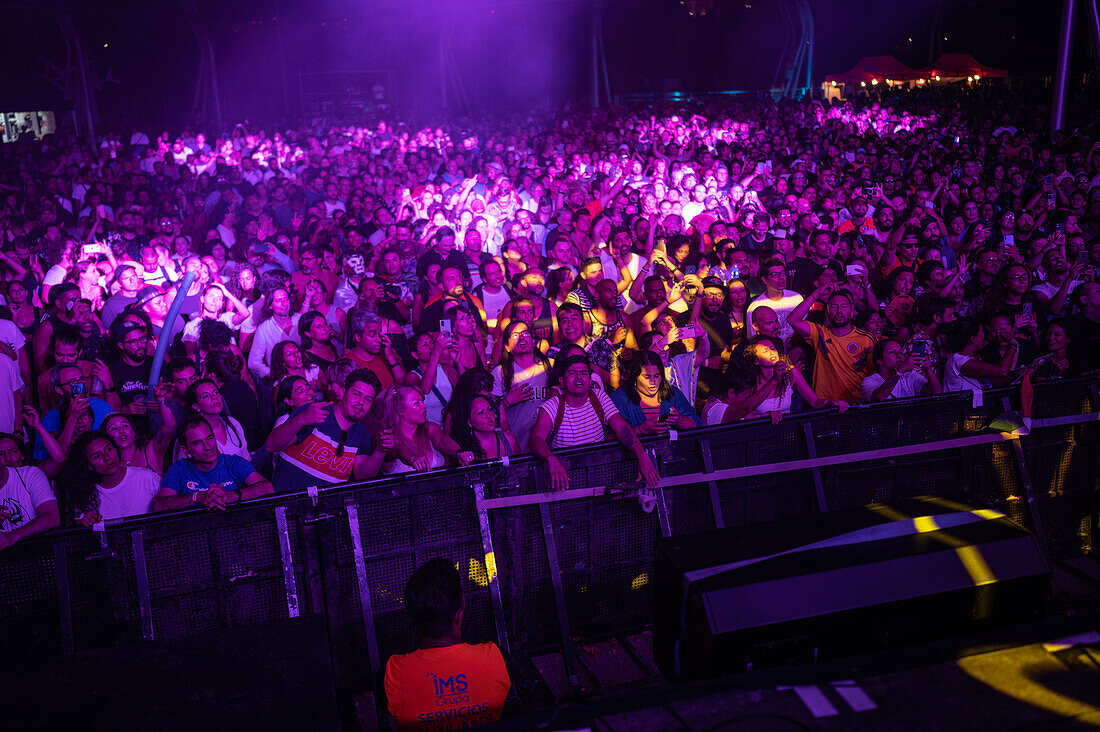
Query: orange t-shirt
{"points": [[449, 688], [842, 362]]}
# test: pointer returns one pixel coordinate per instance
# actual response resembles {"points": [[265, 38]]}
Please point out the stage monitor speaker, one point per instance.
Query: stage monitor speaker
{"points": [[839, 583]]}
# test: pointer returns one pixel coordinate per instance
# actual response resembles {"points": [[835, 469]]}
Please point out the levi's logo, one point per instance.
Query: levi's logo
{"points": [[322, 455]]}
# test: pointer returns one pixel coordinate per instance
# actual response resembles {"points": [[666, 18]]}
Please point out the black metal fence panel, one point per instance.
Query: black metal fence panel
{"points": [[538, 569]]}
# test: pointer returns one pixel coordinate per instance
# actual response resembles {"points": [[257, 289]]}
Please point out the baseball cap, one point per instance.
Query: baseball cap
{"points": [[146, 294]]}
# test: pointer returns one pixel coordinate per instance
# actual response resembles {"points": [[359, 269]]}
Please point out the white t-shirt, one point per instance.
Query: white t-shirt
{"points": [[10, 382], [25, 489], [579, 425], [494, 304], [55, 275], [522, 415], [10, 334], [953, 379], [782, 307], [132, 497], [1049, 290], [908, 385], [191, 330], [714, 412]]}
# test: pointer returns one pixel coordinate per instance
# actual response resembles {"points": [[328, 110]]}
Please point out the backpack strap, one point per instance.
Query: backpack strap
{"points": [[595, 402], [559, 415]]}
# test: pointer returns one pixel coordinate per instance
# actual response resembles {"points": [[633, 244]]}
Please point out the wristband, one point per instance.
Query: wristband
{"points": [[195, 497], [239, 496]]}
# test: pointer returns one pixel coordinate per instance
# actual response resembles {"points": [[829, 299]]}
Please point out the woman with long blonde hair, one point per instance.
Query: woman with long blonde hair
{"points": [[421, 444]]}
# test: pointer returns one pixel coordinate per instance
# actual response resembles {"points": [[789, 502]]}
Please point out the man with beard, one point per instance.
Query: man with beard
{"points": [[130, 371], [130, 239], [531, 286], [326, 443], [822, 250], [450, 279], [129, 283], [1025, 230], [714, 319], [843, 352], [584, 293]]}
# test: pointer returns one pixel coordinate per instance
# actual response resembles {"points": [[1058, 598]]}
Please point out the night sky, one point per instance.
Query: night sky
{"points": [[510, 55]]}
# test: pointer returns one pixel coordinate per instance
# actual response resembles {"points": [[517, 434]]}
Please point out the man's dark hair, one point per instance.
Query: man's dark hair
{"points": [[365, 376], [772, 262], [59, 291], [570, 307], [842, 293], [590, 261], [179, 364], [189, 423], [67, 334], [433, 596], [932, 309]]}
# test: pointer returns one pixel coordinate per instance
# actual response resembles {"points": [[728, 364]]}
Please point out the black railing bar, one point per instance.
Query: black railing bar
{"points": [[363, 586], [712, 487], [145, 605], [1029, 488], [809, 464], [286, 553], [432, 478], [64, 596]]}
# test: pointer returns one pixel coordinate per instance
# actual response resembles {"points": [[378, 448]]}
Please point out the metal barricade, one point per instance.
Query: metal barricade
{"points": [[540, 570]]}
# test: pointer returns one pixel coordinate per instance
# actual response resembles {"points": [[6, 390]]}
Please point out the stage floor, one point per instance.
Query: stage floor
{"points": [[1045, 675]]}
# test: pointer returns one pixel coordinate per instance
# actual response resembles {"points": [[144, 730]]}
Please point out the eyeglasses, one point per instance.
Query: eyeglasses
{"points": [[340, 444], [139, 339]]}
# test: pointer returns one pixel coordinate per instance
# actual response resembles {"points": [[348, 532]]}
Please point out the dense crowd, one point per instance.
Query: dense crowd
{"points": [[357, 301]]}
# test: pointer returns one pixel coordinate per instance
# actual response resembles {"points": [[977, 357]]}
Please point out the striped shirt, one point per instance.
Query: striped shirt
{"points": [[579, 425]]}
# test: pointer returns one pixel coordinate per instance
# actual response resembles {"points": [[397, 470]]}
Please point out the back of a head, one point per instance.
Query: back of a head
{"points": [[433, 597]]}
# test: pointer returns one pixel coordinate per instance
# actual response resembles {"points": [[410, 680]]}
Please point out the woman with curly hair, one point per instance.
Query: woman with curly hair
{"points": [[97, 485], [648, 402], [287, 360], [775, 381], [477, 429], [244, 283]]}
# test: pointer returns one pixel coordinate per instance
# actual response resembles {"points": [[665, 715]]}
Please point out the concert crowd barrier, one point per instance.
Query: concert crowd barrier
{"points": [[541, 570]]}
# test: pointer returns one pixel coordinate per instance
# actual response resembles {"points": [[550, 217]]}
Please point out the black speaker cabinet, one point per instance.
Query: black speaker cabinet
{"points": [[838, 583]]}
